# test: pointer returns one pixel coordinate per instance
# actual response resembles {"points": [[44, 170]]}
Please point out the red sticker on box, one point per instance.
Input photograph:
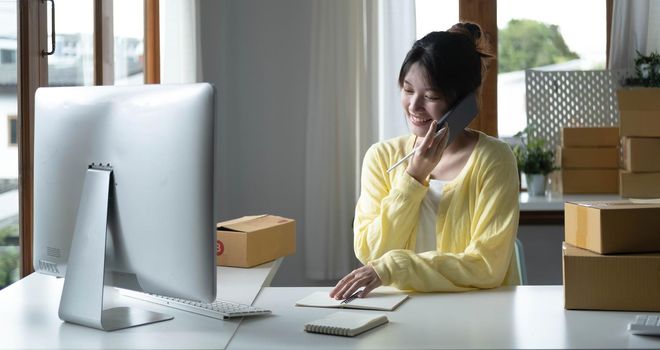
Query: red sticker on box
{"points": [[220, 248]]}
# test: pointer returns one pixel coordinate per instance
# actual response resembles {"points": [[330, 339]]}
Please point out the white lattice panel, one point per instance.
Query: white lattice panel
{"points": [[556, 99]]}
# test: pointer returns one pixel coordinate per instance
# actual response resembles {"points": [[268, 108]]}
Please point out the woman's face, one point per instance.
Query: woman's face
{"points": [[420, 102]]}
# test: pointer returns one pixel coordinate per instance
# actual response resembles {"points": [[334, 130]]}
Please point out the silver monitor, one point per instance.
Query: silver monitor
{"points": [[123, 194]]}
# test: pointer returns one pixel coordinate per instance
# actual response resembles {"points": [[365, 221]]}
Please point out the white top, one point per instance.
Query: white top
{"points": [[428, 217]]}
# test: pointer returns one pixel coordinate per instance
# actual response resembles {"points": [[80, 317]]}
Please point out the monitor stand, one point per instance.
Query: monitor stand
{"points": [[82, 296]]}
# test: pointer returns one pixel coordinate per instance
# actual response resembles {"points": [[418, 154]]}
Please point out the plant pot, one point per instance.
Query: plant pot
{"points": [[536, 184]]}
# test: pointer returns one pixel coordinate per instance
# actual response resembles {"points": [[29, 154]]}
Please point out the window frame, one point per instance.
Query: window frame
{"points": [[33, 73]]}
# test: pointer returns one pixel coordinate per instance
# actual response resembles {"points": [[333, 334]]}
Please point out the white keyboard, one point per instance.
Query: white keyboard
{"points": [[645, 324], [219, 309]]}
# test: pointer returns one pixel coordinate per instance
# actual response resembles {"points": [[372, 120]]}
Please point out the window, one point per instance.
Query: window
{"points": [[7, 56], [9, 247], [548, 35], [12, 126], [128, 18], [72, 64], [434, 15], [77, 61]]}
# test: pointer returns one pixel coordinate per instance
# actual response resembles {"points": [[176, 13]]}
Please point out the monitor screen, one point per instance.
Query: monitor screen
{"points": [[157, 140]]}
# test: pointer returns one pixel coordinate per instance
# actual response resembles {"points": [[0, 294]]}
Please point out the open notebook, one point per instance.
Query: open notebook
{"points": [[347, 324], [373, 301]]}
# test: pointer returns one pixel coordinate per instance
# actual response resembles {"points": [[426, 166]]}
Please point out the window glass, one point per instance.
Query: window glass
{"points": [[549, 35], [9, 249], [128, 27], [72, 64], [434, 15]]}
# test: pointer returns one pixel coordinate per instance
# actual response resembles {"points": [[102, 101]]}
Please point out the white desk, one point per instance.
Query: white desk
{"points": [[29, 318], [555, 201], [509, 317]]}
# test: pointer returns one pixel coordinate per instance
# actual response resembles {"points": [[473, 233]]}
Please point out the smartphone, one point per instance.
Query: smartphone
{"points": [[459, 117]]}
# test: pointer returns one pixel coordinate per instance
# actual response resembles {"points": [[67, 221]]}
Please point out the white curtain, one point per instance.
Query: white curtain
{"points": [[179, 41], [635, 27], [357, 48]]}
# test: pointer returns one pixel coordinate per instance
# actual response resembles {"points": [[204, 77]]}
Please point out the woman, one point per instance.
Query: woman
{"points": [[447, 221]]}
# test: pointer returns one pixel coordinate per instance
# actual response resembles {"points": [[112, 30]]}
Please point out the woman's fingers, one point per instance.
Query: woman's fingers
{"points": [[428, 138]]}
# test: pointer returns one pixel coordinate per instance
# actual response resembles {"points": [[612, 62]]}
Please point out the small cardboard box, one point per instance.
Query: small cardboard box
{"points": [[641, 154], [639, 112], [588, 157], [254, 240], [590, 137], [639, 123], [610, 282], [589, 181], [639, 185], [608, 227]]}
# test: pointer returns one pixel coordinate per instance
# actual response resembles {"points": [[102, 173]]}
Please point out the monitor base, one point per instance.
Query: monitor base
{"points": [[82, 295]]}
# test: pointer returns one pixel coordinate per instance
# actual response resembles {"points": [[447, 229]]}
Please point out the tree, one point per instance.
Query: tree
{"points": [[525, 43]]}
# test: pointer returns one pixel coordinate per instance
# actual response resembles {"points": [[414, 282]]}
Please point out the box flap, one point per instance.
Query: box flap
{"points": [[237, 224], [253, 223], [619, 204]]}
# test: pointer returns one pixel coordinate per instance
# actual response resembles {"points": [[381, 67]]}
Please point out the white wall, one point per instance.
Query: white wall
{"points": [[257, 54]]}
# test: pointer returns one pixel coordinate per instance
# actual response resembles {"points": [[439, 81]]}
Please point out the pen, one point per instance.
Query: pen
{"points": [[352, 297]]}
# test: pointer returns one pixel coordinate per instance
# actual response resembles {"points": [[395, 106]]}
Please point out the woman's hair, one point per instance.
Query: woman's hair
{"points": [[455, 60]]}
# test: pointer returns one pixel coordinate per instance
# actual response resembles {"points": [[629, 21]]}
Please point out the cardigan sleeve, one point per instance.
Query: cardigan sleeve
{"points": [[484, 262], [386, 215]]}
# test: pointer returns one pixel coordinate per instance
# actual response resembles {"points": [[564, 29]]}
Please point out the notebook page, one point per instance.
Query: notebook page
{"points": [[374, 301]]}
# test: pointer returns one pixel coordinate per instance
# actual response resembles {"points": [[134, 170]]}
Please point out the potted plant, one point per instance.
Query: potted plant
{"points": [[639, 98], [535, 161]]}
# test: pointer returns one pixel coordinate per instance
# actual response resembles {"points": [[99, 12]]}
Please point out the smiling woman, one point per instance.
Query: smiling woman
{"points": [[402, 233]]}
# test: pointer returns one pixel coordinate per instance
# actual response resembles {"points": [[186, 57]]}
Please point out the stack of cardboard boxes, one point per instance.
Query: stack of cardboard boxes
{"points": [[611, 256], [639, 115], [589, 160]]}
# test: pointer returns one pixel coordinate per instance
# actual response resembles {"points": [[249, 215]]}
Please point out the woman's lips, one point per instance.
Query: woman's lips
{"points": [[419, 121]]}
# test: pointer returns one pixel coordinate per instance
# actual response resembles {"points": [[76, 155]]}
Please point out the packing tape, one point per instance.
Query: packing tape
{"points": [[581, 226]]}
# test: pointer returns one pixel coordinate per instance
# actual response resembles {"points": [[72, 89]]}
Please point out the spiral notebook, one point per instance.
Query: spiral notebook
{"points": [[347, 324]]}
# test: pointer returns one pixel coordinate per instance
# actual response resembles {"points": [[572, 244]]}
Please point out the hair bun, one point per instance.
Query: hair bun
{"points": [[470, 29], [473, 31]]}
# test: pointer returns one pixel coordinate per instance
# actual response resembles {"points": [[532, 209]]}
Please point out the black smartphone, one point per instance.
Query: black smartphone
{"points": [[459, 117]]}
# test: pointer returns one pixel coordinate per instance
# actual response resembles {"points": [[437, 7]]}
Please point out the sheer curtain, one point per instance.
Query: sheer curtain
{"points": [[357, 48], [635, 27], [179, 41]]}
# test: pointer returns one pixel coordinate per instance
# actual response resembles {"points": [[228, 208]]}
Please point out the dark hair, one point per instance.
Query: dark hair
{"points": [[455, 61]]}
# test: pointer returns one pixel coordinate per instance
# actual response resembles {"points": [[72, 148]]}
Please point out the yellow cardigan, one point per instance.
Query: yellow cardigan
{"points": [[476, 226]]}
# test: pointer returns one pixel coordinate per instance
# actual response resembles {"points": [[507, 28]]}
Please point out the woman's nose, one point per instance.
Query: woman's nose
{"points": [[414, 104]]}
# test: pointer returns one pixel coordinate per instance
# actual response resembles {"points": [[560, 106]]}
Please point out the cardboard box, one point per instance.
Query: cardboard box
{"points": [[639, 185], [639, 112], [588, 157], [613, 226], [610, 282], [641, 154], [590, 137], [254, 240], [639, 123], [589, 181]]}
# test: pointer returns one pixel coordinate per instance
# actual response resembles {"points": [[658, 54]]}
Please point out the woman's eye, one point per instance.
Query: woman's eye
{"points": [[432, 98], [408, 91]]}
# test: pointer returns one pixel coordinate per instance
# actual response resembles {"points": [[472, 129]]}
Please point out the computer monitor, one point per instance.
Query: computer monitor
{"points": [[123, 195]]}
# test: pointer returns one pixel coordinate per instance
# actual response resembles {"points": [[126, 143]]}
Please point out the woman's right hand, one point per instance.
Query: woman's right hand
{"points": [[428, 154]]}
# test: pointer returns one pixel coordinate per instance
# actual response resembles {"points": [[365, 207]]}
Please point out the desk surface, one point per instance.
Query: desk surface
{"points": [[29, 316], [508, 317], [555, 201]]}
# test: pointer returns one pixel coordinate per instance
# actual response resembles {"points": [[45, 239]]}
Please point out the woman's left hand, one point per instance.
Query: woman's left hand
{"points": [[365, 277]]}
